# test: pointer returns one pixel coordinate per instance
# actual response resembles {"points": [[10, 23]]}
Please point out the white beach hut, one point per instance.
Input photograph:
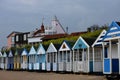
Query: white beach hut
{"points": [[51, 57], [97, 53]]}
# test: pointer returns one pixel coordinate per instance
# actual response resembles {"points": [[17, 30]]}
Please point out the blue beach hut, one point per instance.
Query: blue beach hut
{"points": [[10, 65], [41, 58], [51, 57], [24, 60], [32, 58], [111, 49], [97, 53]]}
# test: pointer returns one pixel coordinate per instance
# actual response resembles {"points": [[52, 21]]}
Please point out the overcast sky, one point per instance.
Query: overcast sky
{"points": [[26, 15]]}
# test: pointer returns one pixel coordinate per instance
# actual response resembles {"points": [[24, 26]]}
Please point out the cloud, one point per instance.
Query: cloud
{"points": [[26, 15]]}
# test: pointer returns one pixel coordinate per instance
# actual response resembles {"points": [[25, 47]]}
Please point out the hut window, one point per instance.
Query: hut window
{"points": [[30, 58], [22, 59], [48, 57], [4, 60], [64, 56], [106, 55], [68, 56], [80, 55], [51, 55], [75, 55], [91, 54], [60, 56], [85, 54], [98, 54], [18, 59], [54, 57]]}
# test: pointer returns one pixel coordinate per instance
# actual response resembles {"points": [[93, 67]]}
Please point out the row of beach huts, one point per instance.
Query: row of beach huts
{"points": [[86, 55]]}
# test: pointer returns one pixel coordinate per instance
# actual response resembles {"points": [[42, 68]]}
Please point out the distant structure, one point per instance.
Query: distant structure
{"points": [[57, 27], [52, 30], [11, 40], [21, 38], [55, 30]]}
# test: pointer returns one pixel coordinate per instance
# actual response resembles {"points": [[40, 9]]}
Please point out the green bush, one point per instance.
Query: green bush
{"points": [[60, 40]]}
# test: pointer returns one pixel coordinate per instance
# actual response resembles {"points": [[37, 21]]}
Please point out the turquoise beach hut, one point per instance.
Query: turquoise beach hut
{"points": [[82, 55], [32, 58], [41, 58]]}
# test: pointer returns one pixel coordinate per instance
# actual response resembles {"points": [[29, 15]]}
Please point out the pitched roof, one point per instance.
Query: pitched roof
{"points": [[89, 41], [13, 33], [41, 49], [32, 51], [57, 25], [51, 48], [4, 54], [113, 31], [10, 54], [80, 43], [68, 43], [24, 52], [39, 30], [98, 41]]}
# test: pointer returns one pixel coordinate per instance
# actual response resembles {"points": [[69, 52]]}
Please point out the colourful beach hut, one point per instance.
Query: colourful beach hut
{"points": [[65, 56], [51, 57], [24, 59], [1, 60], [41, 58], [97, 53], [10, 65], [82, 55], [111, 50], [32, 58], [17, 59], [5, 60]]}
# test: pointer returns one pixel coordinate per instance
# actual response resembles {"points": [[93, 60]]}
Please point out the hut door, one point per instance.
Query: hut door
{"points": [[106, 52], [64, 60], [52, 58]]}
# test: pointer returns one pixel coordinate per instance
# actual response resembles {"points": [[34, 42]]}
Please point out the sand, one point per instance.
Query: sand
{"points": [[25, 75]]}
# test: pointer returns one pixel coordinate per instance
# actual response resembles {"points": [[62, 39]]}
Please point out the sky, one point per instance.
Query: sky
{"points": [[77, 15]]}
